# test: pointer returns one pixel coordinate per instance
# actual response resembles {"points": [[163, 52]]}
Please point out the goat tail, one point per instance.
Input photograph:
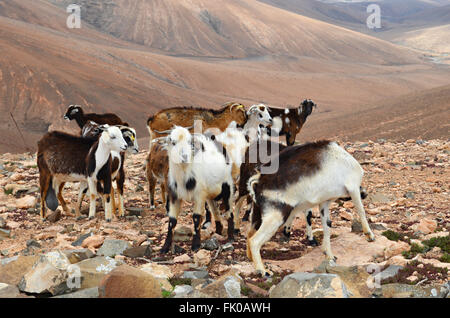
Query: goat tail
{"points": [[251, 183]]}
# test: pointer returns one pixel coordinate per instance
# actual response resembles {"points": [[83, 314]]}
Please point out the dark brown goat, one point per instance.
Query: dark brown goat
{"points": [[289, 121], [75, 112]]}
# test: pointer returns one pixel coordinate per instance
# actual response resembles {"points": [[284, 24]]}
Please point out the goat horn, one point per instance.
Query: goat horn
{"points": [[239, 106]]}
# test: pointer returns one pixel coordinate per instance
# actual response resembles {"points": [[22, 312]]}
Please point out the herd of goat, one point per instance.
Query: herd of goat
{"points": [[205, 156]]}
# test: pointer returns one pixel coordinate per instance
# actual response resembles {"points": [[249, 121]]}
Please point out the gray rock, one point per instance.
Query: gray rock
{"points": [[182, 291], [81, 238], [409, 195], [4, 234], [195, 274], [408, 291], [211, 244], [33, 243], [2, 223], [84, 293], [182, 234], [389, 272], [356, 226], [310, 285], [112, 248], [228, 247]]}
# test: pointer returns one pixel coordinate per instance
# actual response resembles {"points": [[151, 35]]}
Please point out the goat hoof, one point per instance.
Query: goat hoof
{"points": [[313, 242], [108, 220], [237, 231], [91, 218], [152, 207], [370, 237], [164, 250], [81, 217]]}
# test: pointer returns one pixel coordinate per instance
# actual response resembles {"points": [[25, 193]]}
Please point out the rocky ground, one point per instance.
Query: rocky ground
{"points": [[408, 208]]}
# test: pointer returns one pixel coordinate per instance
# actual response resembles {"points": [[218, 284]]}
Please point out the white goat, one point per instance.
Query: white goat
{"points": [[199, 172]]}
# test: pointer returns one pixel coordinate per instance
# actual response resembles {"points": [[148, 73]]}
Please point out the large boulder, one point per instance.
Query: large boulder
{"points": [[48, 275], [93, 270], [128, 282], [12, 271], [310, 285]]}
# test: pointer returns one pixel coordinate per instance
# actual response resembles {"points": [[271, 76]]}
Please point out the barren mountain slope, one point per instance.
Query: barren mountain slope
{"points": [[425, 114], [233, 28]]}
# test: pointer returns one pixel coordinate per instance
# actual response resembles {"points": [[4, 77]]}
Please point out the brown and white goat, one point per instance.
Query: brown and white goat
{"points": [[75, 112], [289, 121], [309, 175], [67, 158]]}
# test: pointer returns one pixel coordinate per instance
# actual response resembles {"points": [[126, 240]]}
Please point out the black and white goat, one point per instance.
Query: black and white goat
{"points": [[67, 158], [75, 112], [92, 130], [309, 175], [198, 172]]}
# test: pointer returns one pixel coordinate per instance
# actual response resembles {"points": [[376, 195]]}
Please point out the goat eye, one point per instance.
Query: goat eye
{"points": [[113, 137]]}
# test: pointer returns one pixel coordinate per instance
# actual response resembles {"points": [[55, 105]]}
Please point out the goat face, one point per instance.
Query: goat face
{"points": [[180, 145], [129, 134], [294, 119], [306, 108], [262, 113], [72, 111], [112, 137]]}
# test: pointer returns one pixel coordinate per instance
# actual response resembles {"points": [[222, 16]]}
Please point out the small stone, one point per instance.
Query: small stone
{"points": [[26, 202], [228, 247], [182, 234], [211, 244], [202, 258], [182, 259], [81, 238], [140, 251], [33, 243], [4, 234], [182, 291], [195, 274], [54, 216], [112, 248], [93, 241], [409, 195]]}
